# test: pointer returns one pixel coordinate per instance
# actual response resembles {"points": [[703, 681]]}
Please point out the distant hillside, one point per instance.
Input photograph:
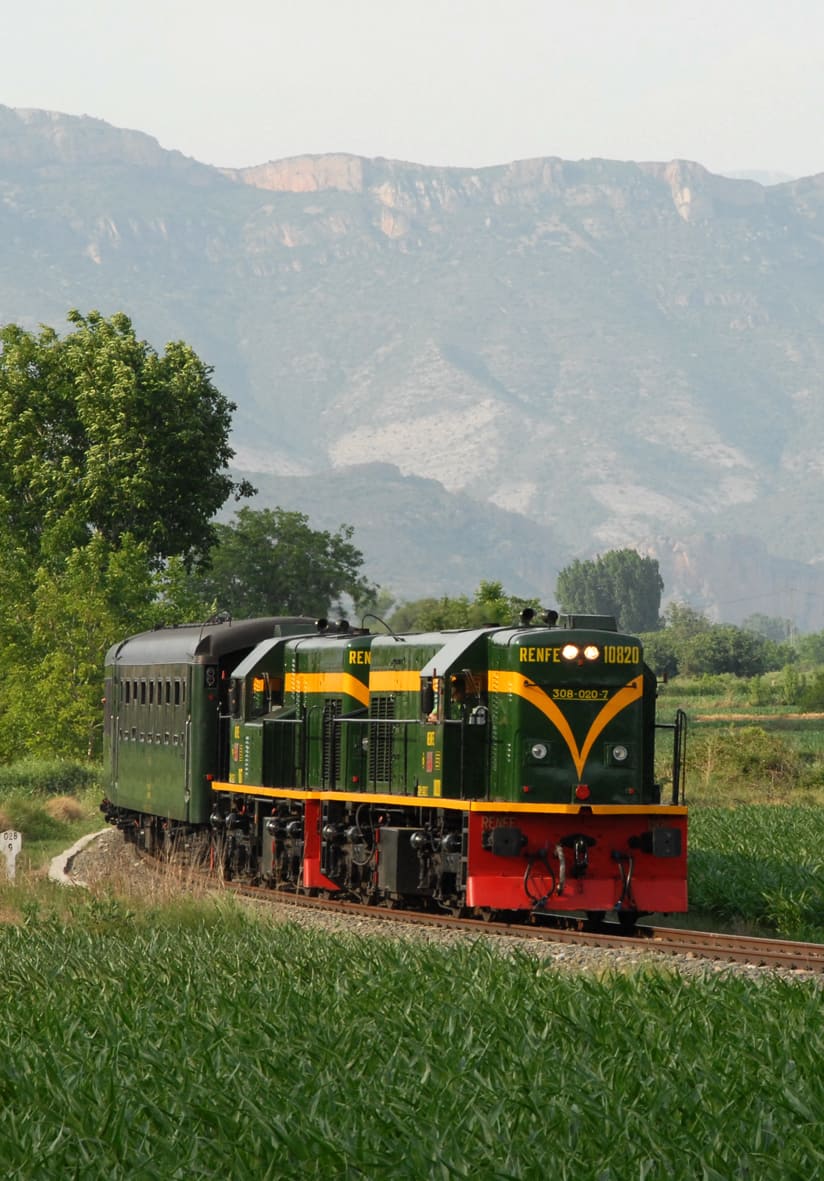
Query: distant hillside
{"points": [[530, 362]]}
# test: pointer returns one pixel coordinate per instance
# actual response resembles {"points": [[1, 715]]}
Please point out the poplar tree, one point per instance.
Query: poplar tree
{"points": [[620, 583]]}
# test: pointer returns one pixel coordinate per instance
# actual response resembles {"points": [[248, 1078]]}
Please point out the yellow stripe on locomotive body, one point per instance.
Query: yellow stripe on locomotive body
{"points": [[329, 683]]}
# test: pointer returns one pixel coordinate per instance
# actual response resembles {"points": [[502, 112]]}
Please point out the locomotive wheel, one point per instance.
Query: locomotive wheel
{"points": [[627, 919]]}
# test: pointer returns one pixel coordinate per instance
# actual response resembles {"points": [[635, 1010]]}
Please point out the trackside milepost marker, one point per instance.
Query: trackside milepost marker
{"points": [[10, 843]]}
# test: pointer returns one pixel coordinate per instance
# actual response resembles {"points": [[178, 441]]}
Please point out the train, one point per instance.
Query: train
{"points": [[496, 771]]}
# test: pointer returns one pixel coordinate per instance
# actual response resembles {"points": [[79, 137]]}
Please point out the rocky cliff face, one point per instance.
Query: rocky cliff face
{"points": [[603, 353], [34, 138], [416, 190]]}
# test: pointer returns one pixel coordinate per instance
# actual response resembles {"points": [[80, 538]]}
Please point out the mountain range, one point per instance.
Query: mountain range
{"points": [[487, 372]]}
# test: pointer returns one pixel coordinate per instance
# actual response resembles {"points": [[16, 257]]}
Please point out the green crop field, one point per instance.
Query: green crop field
{"points": [[760, 866], [188, 1039], [211, 1045]]}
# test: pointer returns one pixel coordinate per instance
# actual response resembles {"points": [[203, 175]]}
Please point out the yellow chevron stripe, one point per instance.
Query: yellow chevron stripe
{"points": [[343, 683], [520, 686]]}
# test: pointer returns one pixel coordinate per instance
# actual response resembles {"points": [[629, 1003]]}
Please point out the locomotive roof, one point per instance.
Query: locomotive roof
{"points": [[456, 647], [195, 643], [251, 661], [582, 625]]}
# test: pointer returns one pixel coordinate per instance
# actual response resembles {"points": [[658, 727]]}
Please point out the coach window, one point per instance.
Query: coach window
{"points": [[127, 696], [142, 692]]}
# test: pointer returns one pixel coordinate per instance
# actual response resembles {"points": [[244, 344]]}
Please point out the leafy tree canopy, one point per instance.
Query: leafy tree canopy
{"points": [[692, 645], [56, 631], [270, 562], [620, 583], [112, 465], [100, 434], [771, 627], [489, 605]]}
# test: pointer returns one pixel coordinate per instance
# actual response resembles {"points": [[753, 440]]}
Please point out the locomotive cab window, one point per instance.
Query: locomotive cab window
{"points": [[427, 696]]}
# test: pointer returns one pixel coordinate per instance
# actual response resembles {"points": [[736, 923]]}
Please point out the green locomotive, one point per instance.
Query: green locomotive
{"points": [[493, 769], [487, 770]]}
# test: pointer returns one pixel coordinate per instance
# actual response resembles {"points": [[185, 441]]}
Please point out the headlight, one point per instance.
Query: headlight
{"points": [[591, 652], [570, 651], [620, 754], [538, 750]]}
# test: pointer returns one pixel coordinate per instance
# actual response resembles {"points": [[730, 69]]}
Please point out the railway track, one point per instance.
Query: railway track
{"points": [[657, 940], [665, 941]]}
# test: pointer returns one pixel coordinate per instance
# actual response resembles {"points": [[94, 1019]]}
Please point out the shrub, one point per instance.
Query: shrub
{"points": [[743, 758], [64, 808], [812, 695], [31, 819], [37, 777], [793, 685]]}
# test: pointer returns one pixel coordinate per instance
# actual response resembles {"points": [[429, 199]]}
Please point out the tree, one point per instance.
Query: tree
{"points": [[771, 627], [99, 434], [112, 465], [53, 660], [664, 649], [691, 644], [724, 648], [811, 647], [270, 562], [621, 583], [490, 605], [684, 621]]}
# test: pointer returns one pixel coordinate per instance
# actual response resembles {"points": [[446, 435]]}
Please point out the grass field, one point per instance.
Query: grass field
{"points": [[191, 1040], [193, 1044]]}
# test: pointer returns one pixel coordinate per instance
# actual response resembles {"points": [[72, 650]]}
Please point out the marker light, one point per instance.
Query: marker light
{"points": [[570, 651], [538, 750], [620, 754], [582, 792]]}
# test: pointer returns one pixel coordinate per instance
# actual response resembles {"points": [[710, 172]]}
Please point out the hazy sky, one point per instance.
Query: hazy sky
{"points": [[733, 84]]}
